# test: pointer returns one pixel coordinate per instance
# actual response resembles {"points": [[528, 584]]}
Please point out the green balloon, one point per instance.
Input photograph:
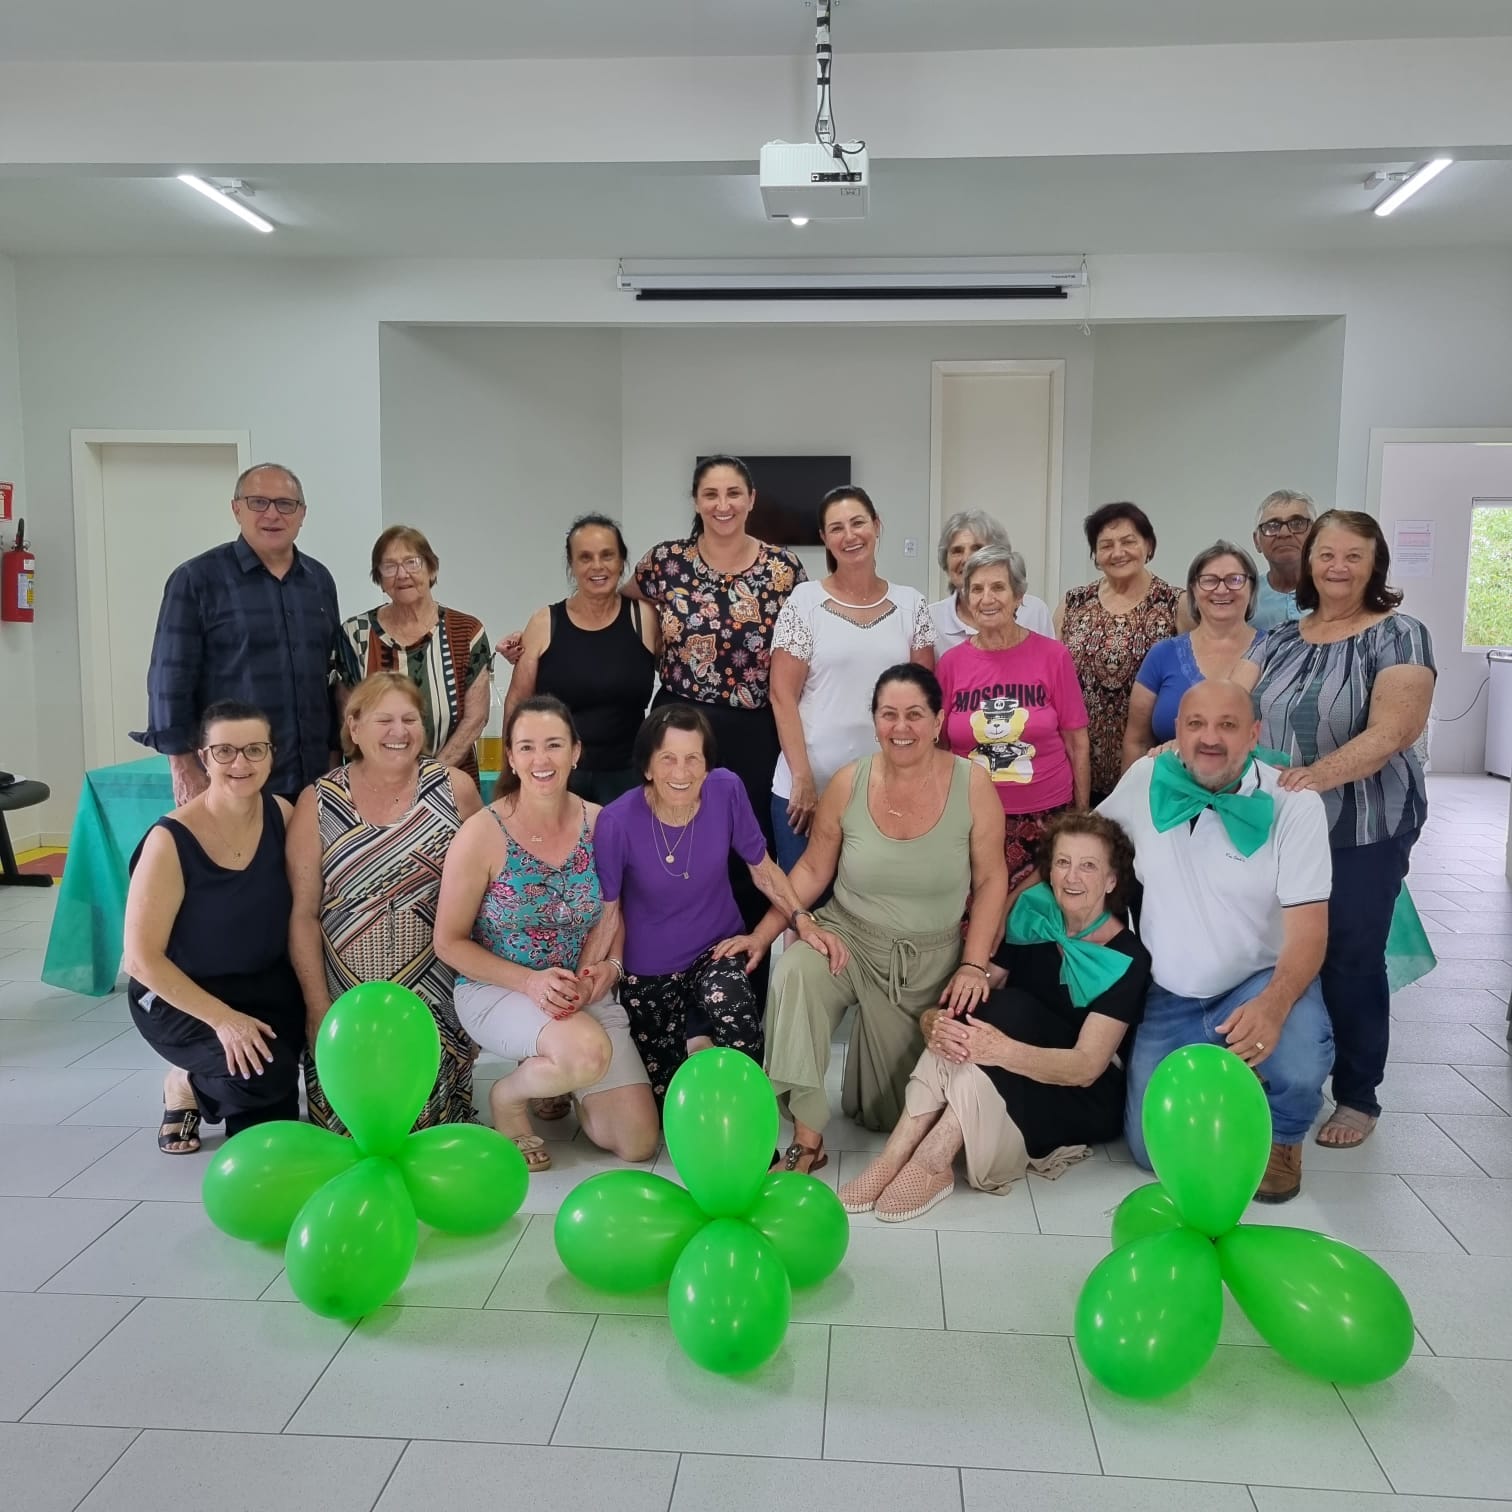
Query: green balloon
{"points": [[720, 1119], [622, 1231], [377, 1054], [803, 1221], [1320, 1304], [463, 1178], [1148, 1316], [353, 1242], [259, 1179], [1146, 1210], [1207, 1126], [730, 1298]]}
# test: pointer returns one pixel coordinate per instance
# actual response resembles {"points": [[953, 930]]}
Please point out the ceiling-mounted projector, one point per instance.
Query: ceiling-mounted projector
{"points": [[812, 181], [825, 179]]}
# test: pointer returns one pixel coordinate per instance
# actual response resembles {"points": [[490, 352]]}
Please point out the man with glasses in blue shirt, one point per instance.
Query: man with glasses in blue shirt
{"points": [[1281, 527], [254, 620]]}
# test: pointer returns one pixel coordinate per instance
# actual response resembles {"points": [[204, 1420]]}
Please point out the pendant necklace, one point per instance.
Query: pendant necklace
{"points": [[669, 857]]}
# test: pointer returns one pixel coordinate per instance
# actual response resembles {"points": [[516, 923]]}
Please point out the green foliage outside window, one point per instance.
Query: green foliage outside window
{"points": [[1488, 599]]}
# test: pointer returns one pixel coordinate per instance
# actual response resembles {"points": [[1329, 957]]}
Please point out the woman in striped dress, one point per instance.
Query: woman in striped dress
{"points": [[365, 850]]}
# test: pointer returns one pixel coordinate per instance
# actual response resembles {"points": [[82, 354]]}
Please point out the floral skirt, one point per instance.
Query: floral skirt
{"points": [[710, 998], [1022, 834]]}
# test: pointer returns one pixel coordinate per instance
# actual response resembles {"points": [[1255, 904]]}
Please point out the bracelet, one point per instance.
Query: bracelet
{"points": [[975, 967], [619, 967], [797, 914]]}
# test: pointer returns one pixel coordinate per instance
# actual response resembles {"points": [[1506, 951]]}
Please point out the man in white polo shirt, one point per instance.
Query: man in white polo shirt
{"points": [[1236, 876]]}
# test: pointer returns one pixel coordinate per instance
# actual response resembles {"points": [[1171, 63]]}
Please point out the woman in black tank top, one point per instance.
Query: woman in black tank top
{"points": [[207, 934], [595, 650]]}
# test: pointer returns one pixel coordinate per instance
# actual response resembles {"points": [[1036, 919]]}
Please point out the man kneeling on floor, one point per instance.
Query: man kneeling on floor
{"points": [[1236, 875]]}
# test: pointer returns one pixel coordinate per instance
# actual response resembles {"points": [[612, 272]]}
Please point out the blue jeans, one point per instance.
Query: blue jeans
{"points": [[1292, 1074], [787, 846], [1366, 881]]}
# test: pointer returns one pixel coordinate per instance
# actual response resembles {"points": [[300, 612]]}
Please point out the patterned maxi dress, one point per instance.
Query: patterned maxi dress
{"points": [[1107, 650], [377, 914]]}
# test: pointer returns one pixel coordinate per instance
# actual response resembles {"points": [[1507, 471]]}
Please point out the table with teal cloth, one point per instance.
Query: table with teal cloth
{"points": [[117, 806]]}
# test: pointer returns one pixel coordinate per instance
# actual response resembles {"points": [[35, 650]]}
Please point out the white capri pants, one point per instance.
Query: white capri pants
{"points": [[508, 1024]]}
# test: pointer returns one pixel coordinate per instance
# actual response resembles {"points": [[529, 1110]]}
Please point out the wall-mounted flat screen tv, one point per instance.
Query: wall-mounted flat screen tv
{"points": [[788, 491]]}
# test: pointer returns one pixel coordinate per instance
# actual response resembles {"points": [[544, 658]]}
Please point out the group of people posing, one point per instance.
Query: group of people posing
{"points": [[1031, 853]]}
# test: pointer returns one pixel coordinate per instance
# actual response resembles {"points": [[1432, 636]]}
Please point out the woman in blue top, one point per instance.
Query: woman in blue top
{"points": [[1221, 590], [521, 919]]}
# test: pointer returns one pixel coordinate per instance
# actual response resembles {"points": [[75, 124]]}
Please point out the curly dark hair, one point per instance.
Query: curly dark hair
{"points": [[1110, 514], [1379, 599], [1112, 835]]}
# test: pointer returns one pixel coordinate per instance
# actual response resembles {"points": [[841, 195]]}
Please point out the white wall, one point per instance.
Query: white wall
{"points": [[1196, 423], [1428, 481], [285, 352], [492, 440], [18, 724], [865, 392], [289, 349]]}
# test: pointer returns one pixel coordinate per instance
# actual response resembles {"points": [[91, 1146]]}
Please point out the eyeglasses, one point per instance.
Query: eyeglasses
{"points": [[1207, 581], [1297, 525], [410, 565], [258, 504], [257, 750]]}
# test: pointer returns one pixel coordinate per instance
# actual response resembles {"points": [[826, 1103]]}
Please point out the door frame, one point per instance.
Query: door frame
{"points": [[1055, 369], [1495, 435], [90, 564]]}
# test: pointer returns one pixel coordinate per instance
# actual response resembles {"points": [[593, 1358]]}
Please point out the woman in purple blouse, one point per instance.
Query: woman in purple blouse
{"points": [[662, 852]]}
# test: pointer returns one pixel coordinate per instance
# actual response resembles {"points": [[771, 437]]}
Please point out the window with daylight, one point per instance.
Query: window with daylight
{"points": [[1488, 589]]}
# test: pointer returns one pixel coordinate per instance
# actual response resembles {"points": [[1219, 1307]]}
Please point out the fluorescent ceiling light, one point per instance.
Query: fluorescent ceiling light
{"points": [[798, 220], [1410, 185], [203, 186]]}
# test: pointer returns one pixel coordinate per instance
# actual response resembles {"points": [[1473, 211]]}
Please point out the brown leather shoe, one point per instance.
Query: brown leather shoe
{"points": [[1283, 1174]]}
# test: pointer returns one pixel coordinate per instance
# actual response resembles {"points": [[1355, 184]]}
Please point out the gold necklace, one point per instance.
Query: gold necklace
{"points": [[669, 859], [887, 792]]}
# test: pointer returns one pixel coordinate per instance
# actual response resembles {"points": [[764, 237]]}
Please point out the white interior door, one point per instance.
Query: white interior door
{"points": [[996, 446], [160, 505]]}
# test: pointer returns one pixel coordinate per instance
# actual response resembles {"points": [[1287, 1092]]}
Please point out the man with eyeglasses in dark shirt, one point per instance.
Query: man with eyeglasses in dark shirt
{"points": [[1281, 527], [254, 620]]}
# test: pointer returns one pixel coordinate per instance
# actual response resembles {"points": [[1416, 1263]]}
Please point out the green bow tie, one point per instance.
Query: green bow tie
{"points": [[1176, 797], [1087, 970]]}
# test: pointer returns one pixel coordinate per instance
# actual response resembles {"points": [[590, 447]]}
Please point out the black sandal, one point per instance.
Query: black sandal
{"points": [[184, 1123]]}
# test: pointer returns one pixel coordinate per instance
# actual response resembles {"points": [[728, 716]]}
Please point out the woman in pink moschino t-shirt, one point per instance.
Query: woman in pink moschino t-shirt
{"points": [[1013, 705]]}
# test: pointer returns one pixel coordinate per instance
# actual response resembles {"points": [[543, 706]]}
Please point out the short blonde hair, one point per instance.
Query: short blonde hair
{"points": [[374, 688], [405, 535]]}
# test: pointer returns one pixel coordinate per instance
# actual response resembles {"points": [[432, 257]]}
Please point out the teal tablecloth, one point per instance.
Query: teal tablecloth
{"points": [[118, 806]]}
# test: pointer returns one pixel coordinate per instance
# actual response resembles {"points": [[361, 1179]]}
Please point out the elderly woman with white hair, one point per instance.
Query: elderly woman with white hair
{"points": [[966, 532], [1013, 705]]}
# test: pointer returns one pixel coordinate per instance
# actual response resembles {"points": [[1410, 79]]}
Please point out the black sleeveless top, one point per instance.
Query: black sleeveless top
{"points": [[231, 923], [605, 677]]}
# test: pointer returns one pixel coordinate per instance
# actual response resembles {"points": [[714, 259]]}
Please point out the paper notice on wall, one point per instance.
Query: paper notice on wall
{"points": [[1412, 549]]}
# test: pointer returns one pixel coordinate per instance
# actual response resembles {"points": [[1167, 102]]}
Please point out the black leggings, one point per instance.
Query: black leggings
{"points": [[192, 1045]]}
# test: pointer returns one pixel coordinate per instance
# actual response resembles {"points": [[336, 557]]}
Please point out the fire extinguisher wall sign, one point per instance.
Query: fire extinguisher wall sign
{"points": [[18, 572]]}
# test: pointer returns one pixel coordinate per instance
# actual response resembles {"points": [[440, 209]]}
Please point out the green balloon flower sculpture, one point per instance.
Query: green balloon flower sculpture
{"points": [[1149, 1314], [346, 1210], [733, 1243]]}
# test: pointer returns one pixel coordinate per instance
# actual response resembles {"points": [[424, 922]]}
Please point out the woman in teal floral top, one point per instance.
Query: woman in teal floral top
{"points": [[521, 920]]}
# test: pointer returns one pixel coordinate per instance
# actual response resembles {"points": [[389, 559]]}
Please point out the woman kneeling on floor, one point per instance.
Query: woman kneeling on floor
{"points": [[663, 854], [521, 918], [1033, 1077], [905, 835], [207, 942]]}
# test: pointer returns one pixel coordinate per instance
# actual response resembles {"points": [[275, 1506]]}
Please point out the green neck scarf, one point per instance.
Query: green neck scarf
{"points": [[1177, 797], [1087, 970]]}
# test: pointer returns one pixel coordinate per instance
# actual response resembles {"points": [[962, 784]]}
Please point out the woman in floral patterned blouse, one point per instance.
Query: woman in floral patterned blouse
{"points": [[1109, 625], [718, 593]]}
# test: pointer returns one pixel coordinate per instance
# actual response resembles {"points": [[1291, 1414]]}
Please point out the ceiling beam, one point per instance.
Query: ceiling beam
{"points": [[1068, 102]]}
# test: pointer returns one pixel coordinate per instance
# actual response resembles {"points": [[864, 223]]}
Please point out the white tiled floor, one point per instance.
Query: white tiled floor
{"points": [[144, 1357]]}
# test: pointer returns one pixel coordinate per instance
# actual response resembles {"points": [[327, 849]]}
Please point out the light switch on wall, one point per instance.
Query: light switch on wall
{"points": [[910, 546]]}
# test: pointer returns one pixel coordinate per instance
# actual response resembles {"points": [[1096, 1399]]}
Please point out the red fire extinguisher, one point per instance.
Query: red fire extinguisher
{"points": [[18, 570]]}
